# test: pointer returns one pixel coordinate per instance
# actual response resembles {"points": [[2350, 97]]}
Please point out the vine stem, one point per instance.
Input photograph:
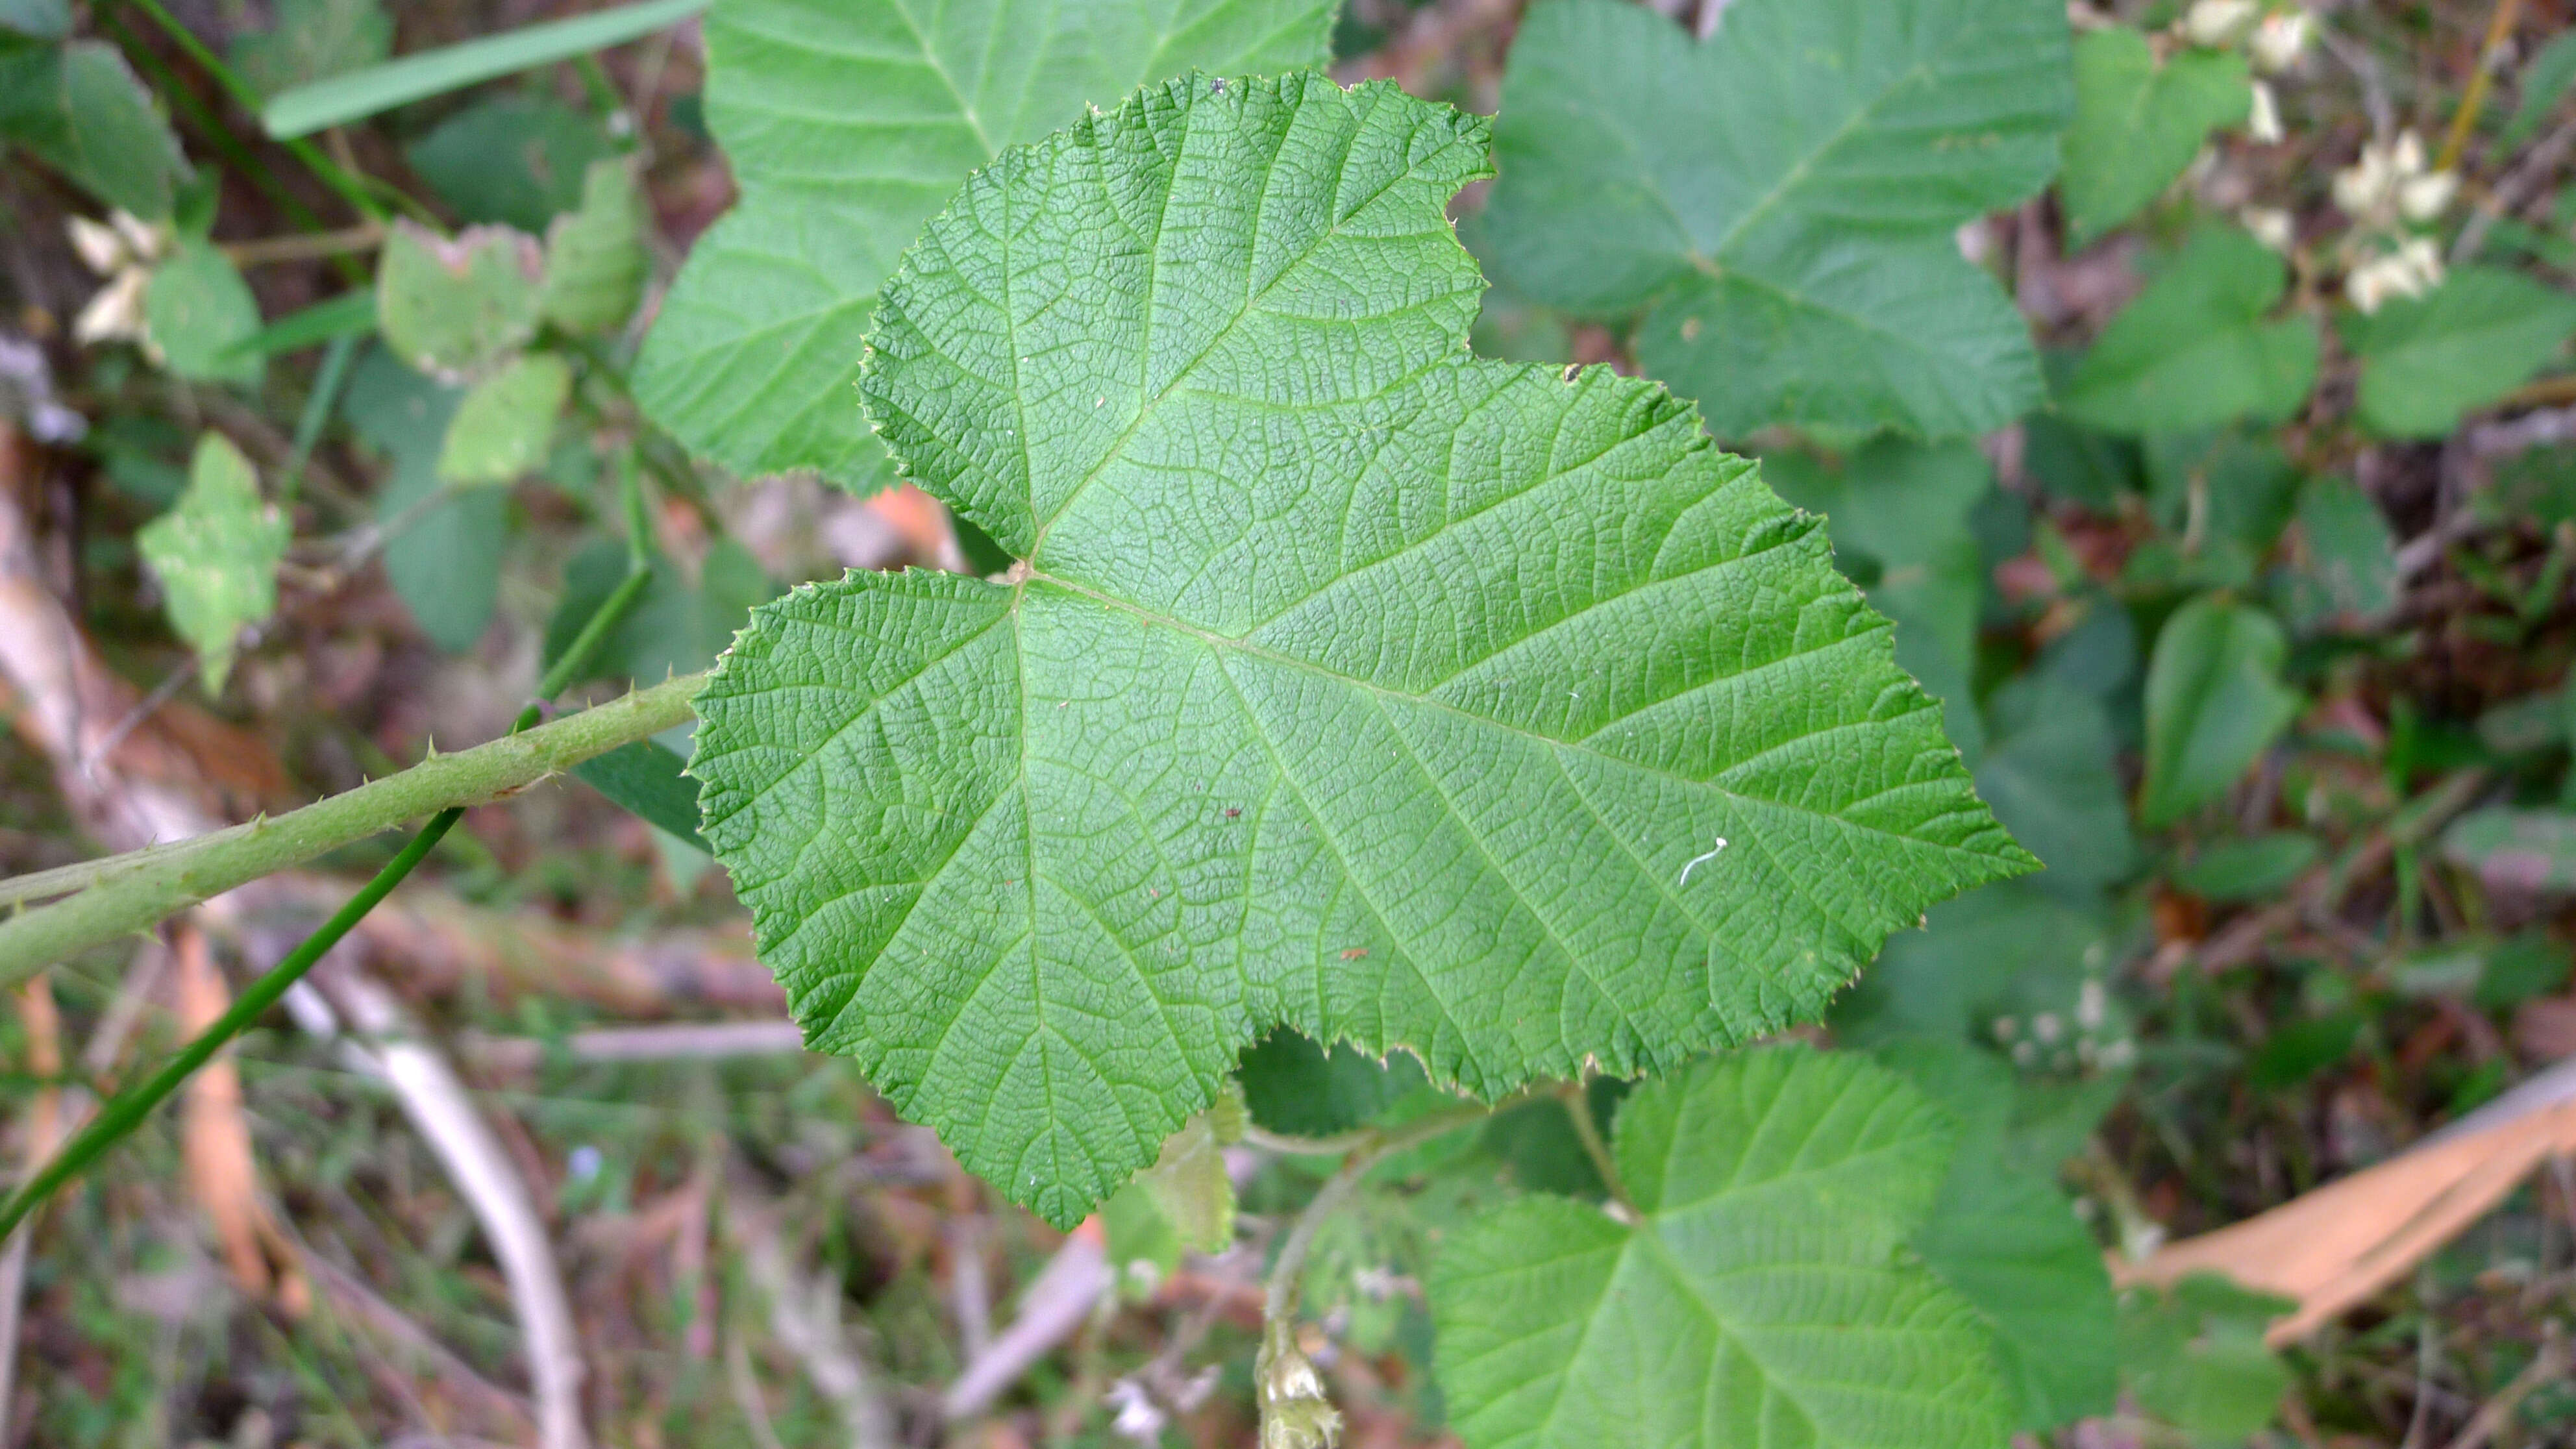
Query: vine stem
{"points": [[1295, 1410], [129, 892], [126, 1110], [1578, 1110]]}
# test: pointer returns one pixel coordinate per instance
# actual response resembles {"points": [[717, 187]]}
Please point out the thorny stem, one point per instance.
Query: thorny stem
{"points": [[129, 892], [126, 1110]]}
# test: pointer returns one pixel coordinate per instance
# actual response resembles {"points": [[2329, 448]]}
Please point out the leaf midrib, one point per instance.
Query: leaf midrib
{"points": [[1248, 649]]}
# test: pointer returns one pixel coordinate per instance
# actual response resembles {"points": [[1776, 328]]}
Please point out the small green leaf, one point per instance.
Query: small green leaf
{"points": [[1764, 1299], [2093, 470], [2249, 869], [2228, 487], [2139, 121], [596, 265], [2194, 1356], [2194, 350], [2215, 702], [2544, 82], [506, 422], [197, 310], [216, 555], [455, 309], [2051, 773], [2525, 850], [80, 110], [2346, 573], [645, 778], [848, 123], [519, 160], [444, 561], [37, 19], [1781, 199], [2007, 1239], [313, 40], [2427, 360], [1416, 689]]}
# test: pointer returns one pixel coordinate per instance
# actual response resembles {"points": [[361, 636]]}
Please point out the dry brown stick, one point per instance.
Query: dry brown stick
{"points": [[803, 1316], [2481, 80], [499, 1409], [2546, 1367], [443, 1112], [43, 1025]]}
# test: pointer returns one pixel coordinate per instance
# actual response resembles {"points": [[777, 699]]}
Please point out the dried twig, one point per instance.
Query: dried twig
{"points": [[442, 1112], [45, 1129], [1058, 1301]]}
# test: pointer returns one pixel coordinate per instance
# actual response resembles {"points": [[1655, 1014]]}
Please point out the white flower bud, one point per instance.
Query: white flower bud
{"points": [[2363, 187], [2271, 225], [2423, 263], [2422, 198], [2263, 123], [100, 248], [2215, 24], [2408, 158], [2412, 270], [2281, 41], [116, 313], [150, 240]]}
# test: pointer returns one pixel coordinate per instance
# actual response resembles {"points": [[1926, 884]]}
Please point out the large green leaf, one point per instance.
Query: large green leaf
{"points": [[2215, 702], [2195, 351], [1348, 681], [1782, 199], [848, 122], [2140, 120], [1764, 1300], [2465, 344]]}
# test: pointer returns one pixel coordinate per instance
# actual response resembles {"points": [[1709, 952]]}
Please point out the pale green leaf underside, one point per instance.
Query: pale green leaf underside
{"points": [[216, 554], [1352, 682], [1763, 1302], [1781, 198], [848, 122]]}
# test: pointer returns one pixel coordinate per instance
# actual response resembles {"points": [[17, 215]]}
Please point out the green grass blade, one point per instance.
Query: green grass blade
{"points": [[302, 110], [351, 314]]}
